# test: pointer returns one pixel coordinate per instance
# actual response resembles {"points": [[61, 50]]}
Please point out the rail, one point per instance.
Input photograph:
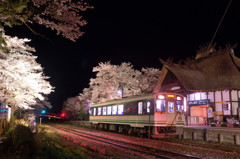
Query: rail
{"points": [[130, 146]]}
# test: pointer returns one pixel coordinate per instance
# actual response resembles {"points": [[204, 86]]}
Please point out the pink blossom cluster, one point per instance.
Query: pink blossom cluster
{"points": [[62, 16]]}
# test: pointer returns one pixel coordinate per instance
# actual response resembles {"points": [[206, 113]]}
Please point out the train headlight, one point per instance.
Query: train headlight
{"points": [[179, 98], [161, 96]]}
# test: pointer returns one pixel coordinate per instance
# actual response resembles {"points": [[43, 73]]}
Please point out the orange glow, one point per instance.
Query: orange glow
{"points": [[161, 97], [179, 98], [170, 95]]}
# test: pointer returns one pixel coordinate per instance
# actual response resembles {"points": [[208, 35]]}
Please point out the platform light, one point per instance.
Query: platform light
{"points": [[170, 95], [161, 96]]}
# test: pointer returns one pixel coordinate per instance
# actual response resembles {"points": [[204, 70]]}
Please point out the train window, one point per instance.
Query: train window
{"points": [[170, 107], [104, 112], [109, 110], [161, 106], [90, 111], [94, 111], [114, 110], [120, 109], [148, 107], [140, 107], [99, 110], [179, 105]]}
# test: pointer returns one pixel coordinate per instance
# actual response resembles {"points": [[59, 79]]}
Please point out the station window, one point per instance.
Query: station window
{"points": [[140, 107], [104, 111], [109, 110], [161, 106], [148, 107], [170, 107], [94, 111], [99, 110], [120, 109], [114, 110]]}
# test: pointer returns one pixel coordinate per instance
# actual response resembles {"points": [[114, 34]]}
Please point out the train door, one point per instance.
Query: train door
{"points": [[160, 111], [174, 110], [171, 112]]}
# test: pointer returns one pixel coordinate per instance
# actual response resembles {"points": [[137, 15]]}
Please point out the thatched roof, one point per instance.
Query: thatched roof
{"points": [[217, 71]]}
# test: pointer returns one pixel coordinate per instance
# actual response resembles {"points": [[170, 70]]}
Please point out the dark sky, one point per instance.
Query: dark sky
{"points": [[135, 31]]}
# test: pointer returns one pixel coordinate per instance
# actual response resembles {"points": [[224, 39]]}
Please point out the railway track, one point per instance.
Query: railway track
{"points": [[130, 146]]}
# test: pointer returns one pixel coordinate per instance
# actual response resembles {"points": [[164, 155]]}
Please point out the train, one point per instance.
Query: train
{"points": [[142, 115]]}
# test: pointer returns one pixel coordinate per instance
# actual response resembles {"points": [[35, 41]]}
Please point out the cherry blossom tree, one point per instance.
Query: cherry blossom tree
{"points": [[148, 79], [77, 107], [22, 79], [71, 107], [64, 16], [85, 100], [112, 79]]}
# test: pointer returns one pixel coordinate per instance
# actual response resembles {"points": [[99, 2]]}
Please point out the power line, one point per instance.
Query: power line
{"points": [[220, 23]]}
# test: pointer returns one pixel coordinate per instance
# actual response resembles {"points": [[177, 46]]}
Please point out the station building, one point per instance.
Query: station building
{"points": [[210, 83]]}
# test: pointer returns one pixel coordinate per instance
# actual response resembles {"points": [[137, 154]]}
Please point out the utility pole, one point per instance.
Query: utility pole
{"points": [[149, 128]]}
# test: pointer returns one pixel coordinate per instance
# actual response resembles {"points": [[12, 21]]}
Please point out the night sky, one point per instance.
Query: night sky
{"points": [[139, 32]]}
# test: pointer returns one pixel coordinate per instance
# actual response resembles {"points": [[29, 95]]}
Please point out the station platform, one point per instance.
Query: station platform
{"points": [[229, 135]]}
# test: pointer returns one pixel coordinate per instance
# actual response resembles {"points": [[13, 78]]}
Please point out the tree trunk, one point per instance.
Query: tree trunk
{"points": [[1, 126]]}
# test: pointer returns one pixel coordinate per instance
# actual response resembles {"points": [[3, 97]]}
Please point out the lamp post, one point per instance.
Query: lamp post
{"points": [[149, 129], [120, 91], [42, 112]]}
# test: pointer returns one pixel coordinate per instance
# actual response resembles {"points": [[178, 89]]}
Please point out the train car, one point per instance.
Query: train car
{"points": [[159, 113]]}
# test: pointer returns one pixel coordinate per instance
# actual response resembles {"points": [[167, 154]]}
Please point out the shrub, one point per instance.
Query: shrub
{"points": [[20, 142]]}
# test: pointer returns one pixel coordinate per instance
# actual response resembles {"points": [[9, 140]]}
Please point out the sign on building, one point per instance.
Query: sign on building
{"points": [[198, 102]]}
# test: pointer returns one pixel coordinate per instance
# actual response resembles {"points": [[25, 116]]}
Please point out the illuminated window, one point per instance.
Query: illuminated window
{"points": [[120, 109], [170, 107], [179, 105], [94, 111], [140, 107], [99, 110], [197, 96], [148, 107], [191, 97], [109, 110], [90, 111], [161, 106], [204, 95], [104, 111], [114, 110]]}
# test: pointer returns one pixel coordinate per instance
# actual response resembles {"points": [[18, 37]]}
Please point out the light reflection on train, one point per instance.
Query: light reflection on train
{"points": [[159, 113]]}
